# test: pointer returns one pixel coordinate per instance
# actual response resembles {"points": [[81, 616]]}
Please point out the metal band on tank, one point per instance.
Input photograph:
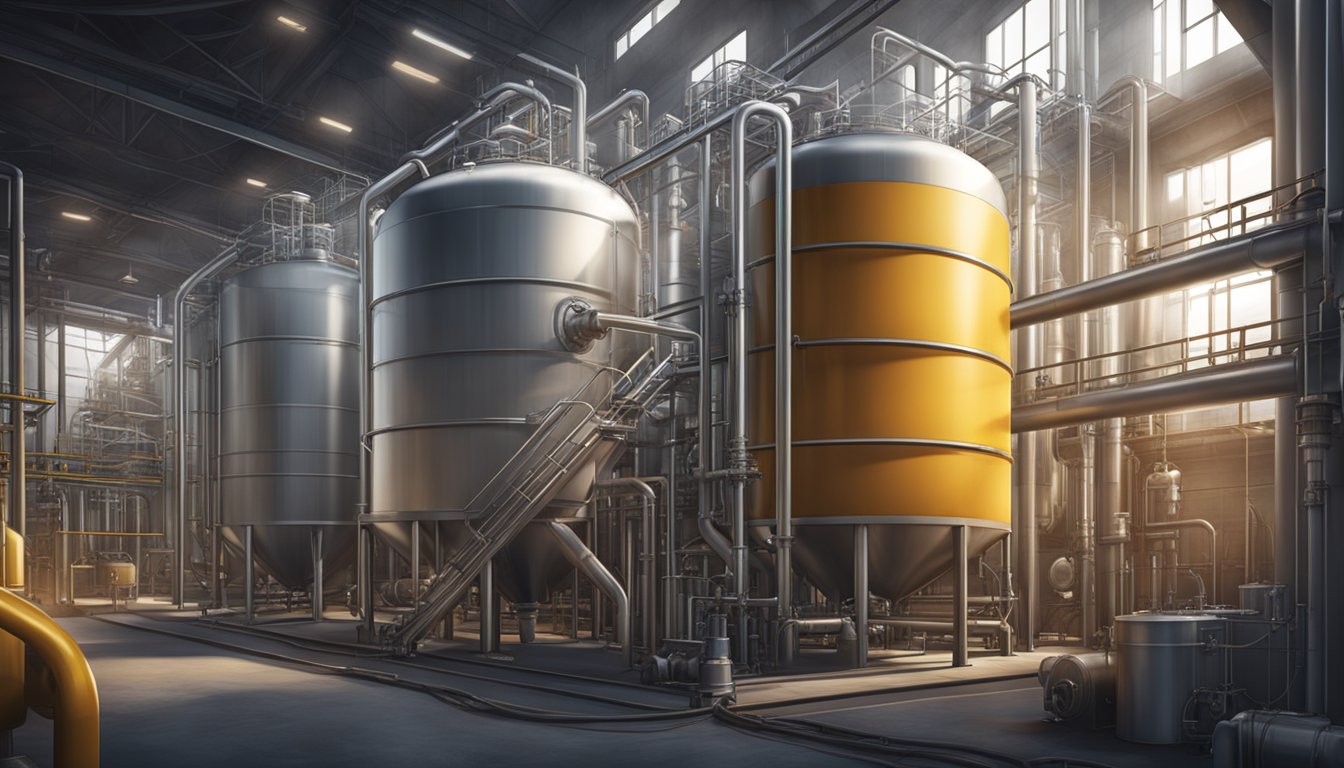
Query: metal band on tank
{"points": [[531, 351], [932, 520], [450, 423], [884, 157], [912, 247], [470, 281], [917, 343], [909, 441]]}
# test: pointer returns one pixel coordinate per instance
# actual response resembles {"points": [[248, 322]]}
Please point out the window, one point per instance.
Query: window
{"points": [[1215, 311], [1029, 40], [1187, 33], [640, 28], [733, 50]]}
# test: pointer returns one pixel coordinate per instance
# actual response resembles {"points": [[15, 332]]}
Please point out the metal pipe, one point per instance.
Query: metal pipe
{"points": [[1266, 248], [577, 126], [317, 595], [226, 257], [77, 729], [619, 105], [17, 333], [1316, 415], [961, 589], [583, 558], [861, 595], [647, 556], [1029, 340], [489, 634], [1228, 383], [884, 36], [249, 575]]}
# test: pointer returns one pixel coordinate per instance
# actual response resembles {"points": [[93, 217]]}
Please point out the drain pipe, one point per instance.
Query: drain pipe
{"points": [[224, 259], [648, 556], [783, 357], [577, 126], [1316, 415], [17, 333], [583, 558]]}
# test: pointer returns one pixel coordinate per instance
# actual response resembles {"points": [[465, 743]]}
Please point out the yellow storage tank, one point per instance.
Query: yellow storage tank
{"points": [[901, 362]]}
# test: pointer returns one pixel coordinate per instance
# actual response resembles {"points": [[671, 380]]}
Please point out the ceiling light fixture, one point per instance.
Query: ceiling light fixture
{"points": [[436, 42], [76, 216], [337, 124], [292, 24], [420, 74], [129, 278], [256, 182]]}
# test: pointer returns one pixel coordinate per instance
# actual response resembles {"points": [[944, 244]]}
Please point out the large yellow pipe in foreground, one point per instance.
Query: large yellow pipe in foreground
{"points": [[13, 709], [76, 721]]}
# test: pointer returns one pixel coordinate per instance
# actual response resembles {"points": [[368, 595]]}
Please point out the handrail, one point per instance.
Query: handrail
{"points": [[77, 729]]}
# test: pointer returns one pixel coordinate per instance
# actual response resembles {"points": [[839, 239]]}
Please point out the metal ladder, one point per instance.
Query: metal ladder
{"points": [[567, 435]]}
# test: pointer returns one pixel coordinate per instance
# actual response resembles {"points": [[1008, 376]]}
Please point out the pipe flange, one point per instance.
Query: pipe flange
{"points": [[574, 327]]}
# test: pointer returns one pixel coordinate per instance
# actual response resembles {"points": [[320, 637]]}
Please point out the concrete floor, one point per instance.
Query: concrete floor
{"points": [[171, 701]]}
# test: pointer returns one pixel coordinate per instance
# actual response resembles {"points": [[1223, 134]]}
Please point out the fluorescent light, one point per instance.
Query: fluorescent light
{"points": [[292, 24], [257, 183], [337, 124], [434, 41], [76, 216], [413, 72]]}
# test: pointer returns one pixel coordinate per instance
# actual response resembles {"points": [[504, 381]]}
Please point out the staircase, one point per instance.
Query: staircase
{"points": [[566, 437]]}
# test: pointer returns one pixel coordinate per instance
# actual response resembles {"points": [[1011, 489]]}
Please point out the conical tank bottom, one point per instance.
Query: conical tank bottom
{"points": [[285, 553], [902, 558]]}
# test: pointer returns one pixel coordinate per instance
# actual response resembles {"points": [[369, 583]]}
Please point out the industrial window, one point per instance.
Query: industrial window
{"points": [[1220, 316], [642, 27], [733, 50], [1030, 40], [1186, 33]]}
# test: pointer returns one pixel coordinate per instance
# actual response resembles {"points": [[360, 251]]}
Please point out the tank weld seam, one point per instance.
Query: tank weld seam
{"points": [[446, 213], [910, 441], [230, 476], [486, 351], [505, 420], [489, 280], [322, 340], [268, 406], [914, 248]]}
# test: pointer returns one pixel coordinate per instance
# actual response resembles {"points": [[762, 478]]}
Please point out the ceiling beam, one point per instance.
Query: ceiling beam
{"points": [[104, 82]]}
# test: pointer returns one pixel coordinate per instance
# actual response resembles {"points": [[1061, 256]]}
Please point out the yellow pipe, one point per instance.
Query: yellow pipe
{"points": [[13, 708], [76, 721]]}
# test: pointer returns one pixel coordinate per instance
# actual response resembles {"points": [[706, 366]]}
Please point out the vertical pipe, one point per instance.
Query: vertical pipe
{"points": [[317, 595], [40, 437], [249, 575], [18, 511], [1086, 505], [578, 126], [415, 565], [489, 609], [60, 380], [365, 583], [960, 601], [861, 594], [1075, 48], [1029, 345]]}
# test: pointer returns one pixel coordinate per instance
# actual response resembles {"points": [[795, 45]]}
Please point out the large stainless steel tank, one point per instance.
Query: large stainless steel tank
{"points": [[469, 268], [1161, 659], [901, 369], [289, 412]]}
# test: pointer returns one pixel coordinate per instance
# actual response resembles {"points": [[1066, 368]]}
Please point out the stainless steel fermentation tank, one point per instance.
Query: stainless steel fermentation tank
{"points": [[901, 360], [469, 269], [289, 412]]}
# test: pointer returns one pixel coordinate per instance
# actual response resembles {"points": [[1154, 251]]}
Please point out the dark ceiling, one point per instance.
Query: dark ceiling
{"points": [[149, 117]]}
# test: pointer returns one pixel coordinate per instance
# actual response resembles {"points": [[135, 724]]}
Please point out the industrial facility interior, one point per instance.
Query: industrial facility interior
{"points": [[672, 382]]}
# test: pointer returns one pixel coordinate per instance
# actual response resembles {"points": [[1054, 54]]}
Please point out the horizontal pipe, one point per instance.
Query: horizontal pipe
{"points": [[1265, 249], [1228, 383]]}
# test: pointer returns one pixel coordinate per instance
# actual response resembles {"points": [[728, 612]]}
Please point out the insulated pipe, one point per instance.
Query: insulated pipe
{"points": [[783, 352], [1227, 383], [648, 551], [583, 558], [17, 331], [1264, 249], [76, 738], [225, 258], [577, 126]]}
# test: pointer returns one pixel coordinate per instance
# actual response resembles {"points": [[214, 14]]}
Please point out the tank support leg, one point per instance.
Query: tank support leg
{"points": [[317, 573], [365, 579], [960, 606], [415, 565], [249, 575], [489, 610], [861, 595]]}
